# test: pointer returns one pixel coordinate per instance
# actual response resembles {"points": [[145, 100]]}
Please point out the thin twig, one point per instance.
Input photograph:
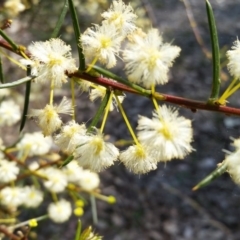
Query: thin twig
{"points": [[8, 234], [149, 10], [195, 29], [195, 205]]}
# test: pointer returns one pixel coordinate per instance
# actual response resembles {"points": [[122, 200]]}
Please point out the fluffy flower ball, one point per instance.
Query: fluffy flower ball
{"points": [[50, 60], [234, 59], [60, 211], [167, 135], [148, 59]]}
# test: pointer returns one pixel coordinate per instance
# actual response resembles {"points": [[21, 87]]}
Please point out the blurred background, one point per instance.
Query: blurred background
{"points": [[159, 205]]}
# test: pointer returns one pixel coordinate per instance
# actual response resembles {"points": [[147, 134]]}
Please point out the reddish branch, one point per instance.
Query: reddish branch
{"points": [[8, 234], [183, 102], [30, 173]]}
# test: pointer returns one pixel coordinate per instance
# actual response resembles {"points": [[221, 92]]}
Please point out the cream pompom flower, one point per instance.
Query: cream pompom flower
{"points": [[48, 118], [232, 161], [167, 135], [138, 160], [234, 59], [51, 59], [73, 171], [236, 143], [12, 196], [60, 211], [34, 197], [9, 113], [89, 180], [94, 153], [66, 139], [8, 171], [148, 59], [121, 16], [57, 180], [33, 144], [102, 43], [13, 7]]}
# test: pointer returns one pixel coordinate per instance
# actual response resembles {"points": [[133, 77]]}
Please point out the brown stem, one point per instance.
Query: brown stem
{"points": [[8, 234], [193, 105], [25, 175], [7, 46], [19, 51]]}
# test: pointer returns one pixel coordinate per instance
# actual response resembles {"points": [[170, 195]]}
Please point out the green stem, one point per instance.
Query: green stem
{"points": [[51, 92], [226, 92], [106, 112], [99, 111], [9, 40], [109, 74], [233, 90], [66, 161], [1, 71], [73, 100], [26, 222], [213, 175], [16, 83], [215, 54], [155, 103], [60, 20], [94, 209], [78, 231], [126, 121], [26, 101], [77, 34], [54, 197], [92, 64]]}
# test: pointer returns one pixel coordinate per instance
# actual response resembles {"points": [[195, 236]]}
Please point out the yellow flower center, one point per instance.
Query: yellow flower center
{"points": [[71, 131], [55, 60], [165, 130], [50, 113], [98, 145], [140, 153], [105, 42], [153, 57], [117, 18]]}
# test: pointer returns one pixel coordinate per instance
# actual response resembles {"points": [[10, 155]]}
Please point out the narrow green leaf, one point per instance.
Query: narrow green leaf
{"points": [[99, 112], [78, 231], [1, 71], [16, 83], [109, 74], [213, 175], [215, 54], [94, 209], [60, 20], [9, 40], [26, 100], [67, 161], [77, 34]]}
